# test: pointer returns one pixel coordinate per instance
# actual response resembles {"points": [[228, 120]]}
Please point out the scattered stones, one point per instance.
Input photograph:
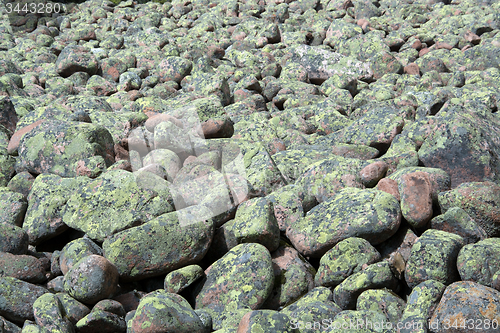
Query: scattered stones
{"points": [[172, 155]]}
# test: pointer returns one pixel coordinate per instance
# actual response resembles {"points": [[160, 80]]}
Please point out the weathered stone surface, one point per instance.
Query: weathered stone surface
{"points": [[241, 279], [169, 241], [50, 314], [22, 267], [479, 262], [463, 300], [434, 256], [178, 280], [369, 214], [17, 298], [479, 200]]}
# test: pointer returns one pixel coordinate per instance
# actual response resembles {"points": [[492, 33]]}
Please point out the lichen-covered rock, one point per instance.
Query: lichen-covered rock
{"points": [[178, 280], [344, 259], [161, 311], [7, 170], [8, 326], [91, 279], [174, 69], [420, 304], [270, 320], [361, 321], [17, 298], [457, 221], [382, 300], [439, 179], [241, 280], [13, 239], [75, 58], [55, 147], [104, 321], [461, 143], [372, 173], [75, 250], [22, 267], [480, 261], [12, 207], [321, 64], [50, 314], [463, 301], [369, 214], [169, 241], [479, 200], [375, 276], [293, 277], [167, 159], [287, 204], [255, 223], [325, 178], [46, 201], [8, 115], [21, 183], [73, 309], [113, 202], [316, 306], [434, 256]]}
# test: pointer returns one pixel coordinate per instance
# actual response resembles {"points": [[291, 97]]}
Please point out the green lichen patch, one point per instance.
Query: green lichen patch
{"points": [[345, 258], [480, 261], [433, 256], [369, 214], [169, 241], [50, 314], [241, 279], [383, 301], [17, 298], [12, 207], [178, 280], [164, 311], [261, 320], [111, 203]]}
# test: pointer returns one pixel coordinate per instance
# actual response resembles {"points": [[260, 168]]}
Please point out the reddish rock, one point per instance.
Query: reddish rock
{"points": [[217, 128], [467, 303], [416, 198], [159, 118], [390, 186], [423, 51], [412, 69], [16, 138], [372, 173], [417, 45]]}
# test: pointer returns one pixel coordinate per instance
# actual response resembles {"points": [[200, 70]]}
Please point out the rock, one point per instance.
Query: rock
{"points": [[75, 58], [416, 198], [174, 69], [8, 116], [91, 279], [73, 309], [382, 300], [46, 202], [389, 186], [456, 221], [50, 314], [217, 128], [434, 256], [271, 320], [321, 64], [361, 321], [54, 147], [462, 301], [344, 259], [293, 277], [178, 280], [12, 207], [375, 276], [163, 311], [376, 217], [131, 204], [23, 267], [439, 179], [75, 250], [167, 159], [287, 205], [420, 305], [21, 183], [6, 167], [372, 173], [478, 200], [104, 321], [13, 239], [17, 298], [241, 279], [316, 306], [479, 262], [169, 241], [255, 223]]}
